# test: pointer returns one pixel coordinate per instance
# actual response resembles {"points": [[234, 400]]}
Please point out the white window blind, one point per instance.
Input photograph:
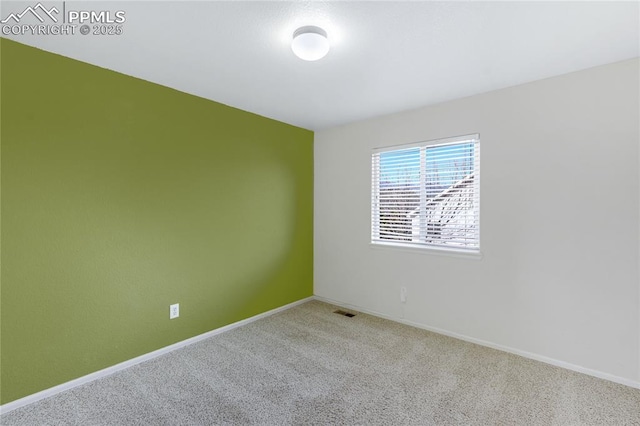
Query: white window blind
{"points": [[427, 194]]}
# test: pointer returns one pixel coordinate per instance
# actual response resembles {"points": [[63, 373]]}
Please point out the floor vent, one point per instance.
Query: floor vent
{"points": [[346, 314]]}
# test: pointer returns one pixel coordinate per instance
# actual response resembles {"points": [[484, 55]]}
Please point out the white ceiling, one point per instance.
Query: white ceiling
{"points": [[385, 56]]}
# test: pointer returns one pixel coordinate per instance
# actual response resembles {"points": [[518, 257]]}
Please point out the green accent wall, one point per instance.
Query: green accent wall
{"points": [[121, 197]]}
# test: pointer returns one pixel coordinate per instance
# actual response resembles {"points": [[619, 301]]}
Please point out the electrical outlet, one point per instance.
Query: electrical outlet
{"points": [[403, 294], [174, 311]]}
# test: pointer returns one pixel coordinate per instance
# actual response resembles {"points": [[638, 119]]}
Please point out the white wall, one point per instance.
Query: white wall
{"points": [[560, 189]]}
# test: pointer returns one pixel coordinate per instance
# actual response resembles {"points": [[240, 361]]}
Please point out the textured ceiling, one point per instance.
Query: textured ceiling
{"points": [[385, 56]]}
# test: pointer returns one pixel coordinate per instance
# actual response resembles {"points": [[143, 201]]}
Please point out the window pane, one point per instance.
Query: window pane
{"points": [[399, 192]]}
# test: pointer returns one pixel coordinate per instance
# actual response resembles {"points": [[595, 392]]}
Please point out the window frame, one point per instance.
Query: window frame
{"points": [[424, 247]]}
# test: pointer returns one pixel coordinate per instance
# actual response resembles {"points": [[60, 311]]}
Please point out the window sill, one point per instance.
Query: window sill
{"points": [[464, 254]]}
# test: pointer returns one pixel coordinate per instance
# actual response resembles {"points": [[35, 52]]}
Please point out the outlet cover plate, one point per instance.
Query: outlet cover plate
{"points": [[174, 311]]}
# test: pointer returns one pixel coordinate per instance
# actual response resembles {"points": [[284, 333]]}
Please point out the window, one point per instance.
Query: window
{"points": [[427, 194]]}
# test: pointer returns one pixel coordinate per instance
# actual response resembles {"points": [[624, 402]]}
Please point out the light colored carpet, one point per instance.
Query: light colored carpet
{"points": [[310, 366]]}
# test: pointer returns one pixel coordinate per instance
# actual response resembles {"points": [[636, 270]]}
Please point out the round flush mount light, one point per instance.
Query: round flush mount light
{"points": [[310, 43]]}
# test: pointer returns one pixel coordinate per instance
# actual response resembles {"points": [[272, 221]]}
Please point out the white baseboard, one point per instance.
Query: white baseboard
{"points": [[525, 354], [10, 406]]}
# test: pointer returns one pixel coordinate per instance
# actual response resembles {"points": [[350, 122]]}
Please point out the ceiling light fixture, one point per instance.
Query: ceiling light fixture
{"points": [[310, 43]]}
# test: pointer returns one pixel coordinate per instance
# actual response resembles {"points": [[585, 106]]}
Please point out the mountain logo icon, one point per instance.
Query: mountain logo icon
{"points": [[38, 11]]}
